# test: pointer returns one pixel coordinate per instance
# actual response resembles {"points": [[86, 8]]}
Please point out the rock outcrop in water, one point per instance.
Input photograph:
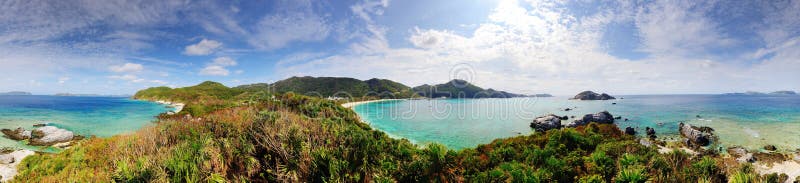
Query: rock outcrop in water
{"points": [[630, 131], [17, 134], [696, 136], [601, 117], [651, 133], [590, 95], [49, 135], [552, 121], [547, 122]]}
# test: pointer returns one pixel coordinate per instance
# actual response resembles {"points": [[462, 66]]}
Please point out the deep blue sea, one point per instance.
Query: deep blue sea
{"points": [[750, 121], [100, 116]]}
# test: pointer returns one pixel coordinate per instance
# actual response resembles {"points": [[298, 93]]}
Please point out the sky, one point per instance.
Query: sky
{"points": [[557, 47]]}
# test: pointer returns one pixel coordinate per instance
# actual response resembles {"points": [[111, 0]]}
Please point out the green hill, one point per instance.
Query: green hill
{"points": [[188, 94], [334, 86], [460, 89]]}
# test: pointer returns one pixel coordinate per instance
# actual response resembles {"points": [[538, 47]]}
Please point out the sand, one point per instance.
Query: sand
{"points": [[789, 167], [8, 171], [353, 104]]}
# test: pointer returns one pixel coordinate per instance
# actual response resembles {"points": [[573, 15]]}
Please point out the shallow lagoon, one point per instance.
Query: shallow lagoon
{"points": [[751, 121], [100, 116]]}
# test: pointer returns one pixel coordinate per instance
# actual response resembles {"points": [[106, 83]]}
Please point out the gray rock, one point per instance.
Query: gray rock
{"points": [[546, 122], [50, 135], [630, 131], [601, 117], [695, 135], [645, 142], [741, 154], [17, 134], [590, 95], [651, 132], [6, 158]]}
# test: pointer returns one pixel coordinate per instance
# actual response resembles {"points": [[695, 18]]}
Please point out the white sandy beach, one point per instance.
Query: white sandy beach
{"points": [[8, 166], [178, 106], [353, 104]]}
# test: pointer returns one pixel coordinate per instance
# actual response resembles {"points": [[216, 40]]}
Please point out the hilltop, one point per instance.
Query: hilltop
{"points": [[460, 89], [335, 86]]}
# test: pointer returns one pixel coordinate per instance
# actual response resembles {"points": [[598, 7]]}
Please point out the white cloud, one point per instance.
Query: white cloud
{"points": [[224, 61], [538, 47], [296, 22], [214, 70], [204, 47], [217, 67], [678, 28], [128, 77], [63, 80], [127, 67], [160, 82]]}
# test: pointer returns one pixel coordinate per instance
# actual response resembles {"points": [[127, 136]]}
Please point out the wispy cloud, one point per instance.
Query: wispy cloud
{"points": [[217, 67], [127, 67], [204, 47]]}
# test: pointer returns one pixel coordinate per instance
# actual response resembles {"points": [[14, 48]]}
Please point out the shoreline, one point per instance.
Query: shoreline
{"points": [[177, 105], [354, 104]]}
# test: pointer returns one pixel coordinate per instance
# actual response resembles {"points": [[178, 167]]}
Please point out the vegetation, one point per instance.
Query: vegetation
{"points": [[265, 137], [335, 86], [460, 89]]}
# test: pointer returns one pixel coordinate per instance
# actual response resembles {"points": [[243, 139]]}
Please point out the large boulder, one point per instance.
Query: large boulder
{"points": [[17, 134], [50, 135], [546, 122], [590, 95], [700, 136], [602, 117]]}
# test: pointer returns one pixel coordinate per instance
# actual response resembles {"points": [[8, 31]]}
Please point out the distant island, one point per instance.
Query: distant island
{"points": [[590, 95], [16, 93], [541, 95], [785, 92]]}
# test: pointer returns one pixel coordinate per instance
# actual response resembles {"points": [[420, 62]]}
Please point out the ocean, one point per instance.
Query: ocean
{"points": [[749, 121], [99, 116]]}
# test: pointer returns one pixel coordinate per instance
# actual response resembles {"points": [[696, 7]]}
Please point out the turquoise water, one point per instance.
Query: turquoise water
{"points": [[100, 116], [750, 121]]}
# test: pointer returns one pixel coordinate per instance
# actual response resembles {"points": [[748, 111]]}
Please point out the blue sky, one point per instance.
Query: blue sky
{"points": [[559, 47]]}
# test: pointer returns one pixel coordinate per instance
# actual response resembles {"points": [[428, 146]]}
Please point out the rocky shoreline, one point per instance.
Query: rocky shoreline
{"points": [[695, 140], [41, 135]]}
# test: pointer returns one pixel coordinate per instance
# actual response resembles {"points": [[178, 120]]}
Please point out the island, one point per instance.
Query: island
{"points": [[16, 93], [755, 93], [590, 95], [458, 88]]}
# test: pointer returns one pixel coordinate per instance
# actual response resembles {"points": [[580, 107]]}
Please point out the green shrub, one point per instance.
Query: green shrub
{"points": [[631, 175]]}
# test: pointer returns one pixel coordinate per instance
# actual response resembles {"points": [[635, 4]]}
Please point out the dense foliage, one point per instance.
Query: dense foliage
{"points": [[460, 89], [261, 137], [335, 86]]}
